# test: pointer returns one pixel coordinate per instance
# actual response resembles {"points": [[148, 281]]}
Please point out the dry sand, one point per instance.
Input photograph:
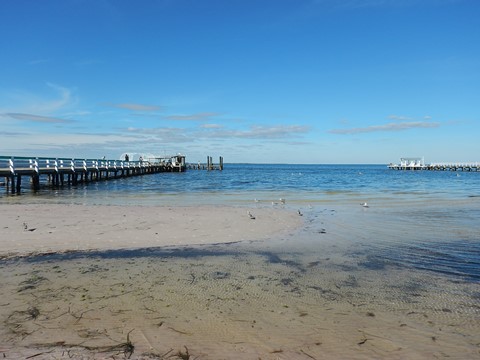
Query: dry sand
{"points": [[33, 229]]}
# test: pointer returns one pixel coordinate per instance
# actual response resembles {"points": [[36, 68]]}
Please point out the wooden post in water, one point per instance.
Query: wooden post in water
{"points": [[220, 166], [36, 182], [11, 180], [19, 182]]}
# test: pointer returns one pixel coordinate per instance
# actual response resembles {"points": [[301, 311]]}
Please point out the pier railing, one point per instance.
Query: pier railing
{"points": [[457, 166], [59, 171]]}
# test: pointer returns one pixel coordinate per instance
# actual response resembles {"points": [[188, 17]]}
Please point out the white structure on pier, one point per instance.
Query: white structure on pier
{"points": [[409, 163], [419, 164]]}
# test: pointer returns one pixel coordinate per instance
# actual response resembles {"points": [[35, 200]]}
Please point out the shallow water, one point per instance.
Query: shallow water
{"points": [[399, 279]]}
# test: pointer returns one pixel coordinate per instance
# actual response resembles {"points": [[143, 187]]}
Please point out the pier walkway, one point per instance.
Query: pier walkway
{"points": [[418, 164], [60, 171]]}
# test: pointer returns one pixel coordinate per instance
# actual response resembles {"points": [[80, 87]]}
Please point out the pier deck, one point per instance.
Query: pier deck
{"points": [[59, 171], [419, 164]]}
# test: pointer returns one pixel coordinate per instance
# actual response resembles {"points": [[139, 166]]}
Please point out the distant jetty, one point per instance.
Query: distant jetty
{"points": [[419, 164], [62, 171]]}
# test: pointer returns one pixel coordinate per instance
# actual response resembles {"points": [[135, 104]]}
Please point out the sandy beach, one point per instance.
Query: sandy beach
{"points": [[210, 282], [35, 229]]}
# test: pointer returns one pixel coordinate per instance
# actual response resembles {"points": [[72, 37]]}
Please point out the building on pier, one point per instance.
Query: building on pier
{"points": [[173, 163], [409, 163]]}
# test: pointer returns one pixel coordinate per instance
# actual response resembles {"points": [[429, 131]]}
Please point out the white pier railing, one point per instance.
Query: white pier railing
{"points": [[440, 166]]}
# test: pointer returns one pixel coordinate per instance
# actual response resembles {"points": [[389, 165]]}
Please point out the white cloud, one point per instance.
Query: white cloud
{"points": [[211, 126], [137, 107], [65, 100], [399, 118], [193, 117], [62, 144], [15, 101], [35, 118], [387, 127], [263, 132], [163, 135], [214, 131]]}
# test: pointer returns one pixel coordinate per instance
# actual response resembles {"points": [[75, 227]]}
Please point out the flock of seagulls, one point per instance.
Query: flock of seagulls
{"points": [[282, 201]]}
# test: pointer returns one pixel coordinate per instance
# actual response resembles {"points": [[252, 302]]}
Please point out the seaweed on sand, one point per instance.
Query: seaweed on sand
{"points": [[15, 321], [127, 347]]}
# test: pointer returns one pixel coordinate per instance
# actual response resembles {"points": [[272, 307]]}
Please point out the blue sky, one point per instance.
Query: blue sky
{"points": [[266, 81]]}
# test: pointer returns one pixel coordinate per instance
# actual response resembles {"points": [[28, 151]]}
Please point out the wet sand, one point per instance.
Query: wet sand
{"points": [[312, 292], [35, 229]]}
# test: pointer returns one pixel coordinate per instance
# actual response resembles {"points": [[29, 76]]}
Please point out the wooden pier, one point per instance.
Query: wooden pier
{"points": [[209, 165], [419, 164], [61, 171]]}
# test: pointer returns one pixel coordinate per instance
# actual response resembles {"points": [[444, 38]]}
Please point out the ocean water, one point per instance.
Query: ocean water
{"points": [[397, 279], [244, 182]]}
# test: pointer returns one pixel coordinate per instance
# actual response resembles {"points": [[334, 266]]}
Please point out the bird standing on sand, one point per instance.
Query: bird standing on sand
{"points": [[300, 213], [250, 215]]}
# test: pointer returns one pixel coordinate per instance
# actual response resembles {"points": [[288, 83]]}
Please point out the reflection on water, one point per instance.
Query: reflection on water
{"points": [[382, 282]]}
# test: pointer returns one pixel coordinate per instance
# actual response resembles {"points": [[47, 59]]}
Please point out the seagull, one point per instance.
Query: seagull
{"points": [[256, 200], [300, 213], [251, 216], [365, 205], [282, 200]]}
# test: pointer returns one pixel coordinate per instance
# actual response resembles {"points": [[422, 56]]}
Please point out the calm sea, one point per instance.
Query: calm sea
{"points": [[245, 182]]}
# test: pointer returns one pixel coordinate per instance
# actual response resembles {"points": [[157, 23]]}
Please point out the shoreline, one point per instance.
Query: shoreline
{"points": [[32, 230]]}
